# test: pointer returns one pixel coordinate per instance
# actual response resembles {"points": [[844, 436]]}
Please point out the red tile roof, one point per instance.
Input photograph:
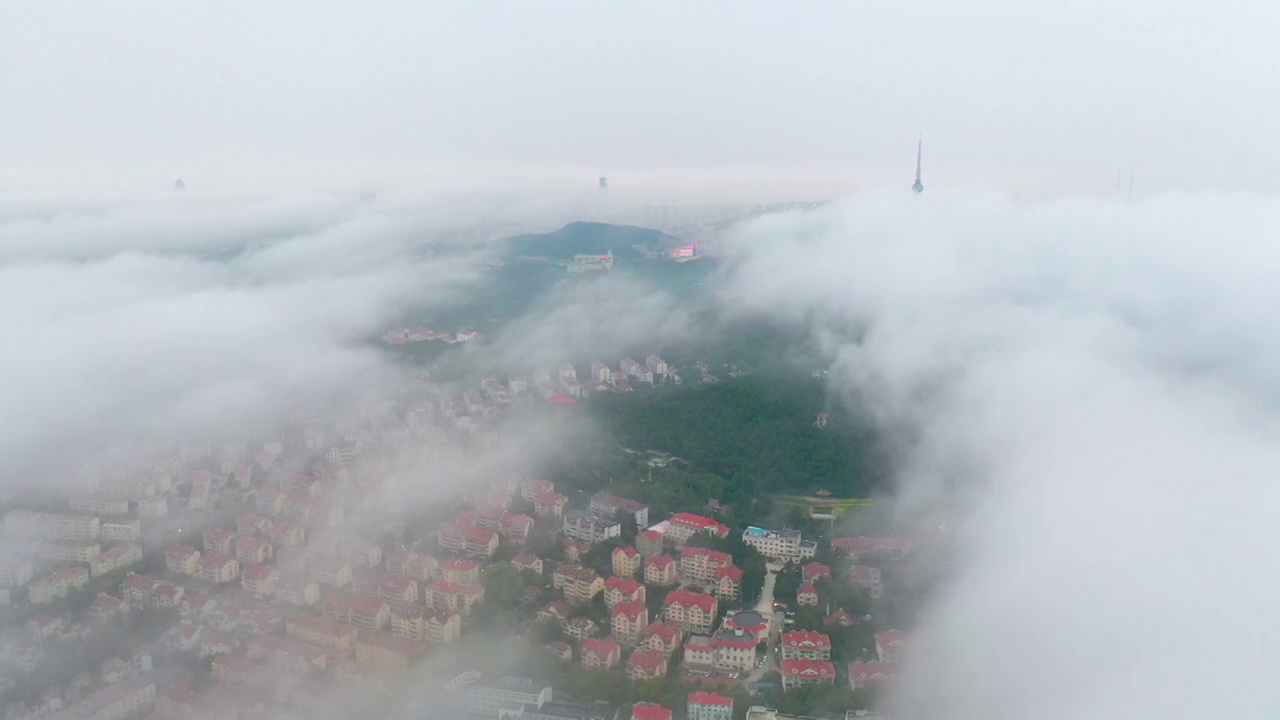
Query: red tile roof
{"points": [[822, 669], [629, 609], [649, 711], [806, 639], [651, 661], [709, 698], [684, 598]]}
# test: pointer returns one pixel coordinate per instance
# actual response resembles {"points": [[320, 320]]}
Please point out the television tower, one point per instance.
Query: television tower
{"points": [[917, 186]]}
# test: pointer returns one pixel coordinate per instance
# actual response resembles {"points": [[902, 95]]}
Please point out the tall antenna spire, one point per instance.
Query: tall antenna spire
{"points": [[918, 186]]}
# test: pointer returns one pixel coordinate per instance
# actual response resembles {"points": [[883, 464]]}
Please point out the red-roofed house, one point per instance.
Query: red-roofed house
{"points": [[458, 597], [409, 621], [626, 561], [839, 617], [366, 613], [574, 550], [858, 546], [709, 706], [600, 652], [869, 674], [218, 568], [579, 583], [386, 652], [252, 549], [660, 570], [649, 711], [330, 570], [530, 488], [646, 665], [321, 631], [528, 562], [474, 541], [219, 540], [649, 543], [515, 527], [388, 586], [663, 637], [807, 596], [287, 534], [549, 504], [297, 590], [806, 672], [460, 571], [890, 645], [727, 583], [259, 579], [694, 612], [253, 523], [628, 621], [443, 626], [812, 572], [683, 526], [806, 645], [622, 589], [413, 565], [182, 560], [699, 565], [288, 654], [867, 578]]}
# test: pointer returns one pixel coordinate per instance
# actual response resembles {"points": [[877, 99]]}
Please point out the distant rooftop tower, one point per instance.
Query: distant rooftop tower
{"points": [[179, 185], [918, 186], [604, 183]]}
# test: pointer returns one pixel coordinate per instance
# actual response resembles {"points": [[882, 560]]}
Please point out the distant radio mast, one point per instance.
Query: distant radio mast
{"points": [[604, 183], [917, 186]]}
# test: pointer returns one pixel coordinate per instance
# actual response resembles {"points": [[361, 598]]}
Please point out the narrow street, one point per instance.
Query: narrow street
{"points": [[765, 608]]}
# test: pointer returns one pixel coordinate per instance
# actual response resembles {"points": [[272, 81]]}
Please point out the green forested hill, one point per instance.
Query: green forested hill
{"points": [[755, 431]]}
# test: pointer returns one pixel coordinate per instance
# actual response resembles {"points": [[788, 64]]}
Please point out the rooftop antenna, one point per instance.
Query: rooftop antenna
{"points": [[918, 187]]}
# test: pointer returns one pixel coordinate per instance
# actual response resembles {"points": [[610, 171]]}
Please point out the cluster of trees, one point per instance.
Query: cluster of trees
{"points": [[756, 432]]}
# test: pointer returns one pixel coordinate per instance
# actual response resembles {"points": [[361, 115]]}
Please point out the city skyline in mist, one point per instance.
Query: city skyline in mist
{"points": [[732, 102]]}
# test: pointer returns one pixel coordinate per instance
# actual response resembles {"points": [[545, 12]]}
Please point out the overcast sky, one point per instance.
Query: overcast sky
{"points": [[672, 100]]}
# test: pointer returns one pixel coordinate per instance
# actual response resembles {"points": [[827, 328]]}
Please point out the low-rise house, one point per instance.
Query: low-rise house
{"points": [[807, 596], [709, 706], [890, 646], [649, 711], [813, 572], [806, 672], [580, 628], [864, 675], [805, 645], [527, 562]]}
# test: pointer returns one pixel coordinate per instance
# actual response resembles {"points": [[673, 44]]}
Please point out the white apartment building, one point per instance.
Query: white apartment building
{"points": [[53, 526]]}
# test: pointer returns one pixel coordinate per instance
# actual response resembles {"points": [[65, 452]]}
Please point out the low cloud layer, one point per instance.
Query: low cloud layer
{"points": [[1096, 385]]}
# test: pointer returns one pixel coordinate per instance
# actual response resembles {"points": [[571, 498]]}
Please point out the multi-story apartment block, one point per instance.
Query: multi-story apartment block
{"points": [[649, 543], [579, 583], [868, 578], [297, 590], [366, 613], [58, 585], [611, 506], [524, 562], [727, 583], [219, 540], [457, 597], [218, 568], [413, 565], [288, 654], [323, 632], [660, 570], [600, 652], [252, 523], [121, 529], [284, 533], [682, 526], [259, 579], [589, 528], [388, 586], [530, 488], [252, 549], [748, 621], [360, 552], [663, 637], [709, 706], [699, 565], [67, 550], [626, 561], [890, 646], [488, 694], [655, 365], [460, 571], [628, 621], [549, 504], [155, 506], [784, 544], [443, 626], [182, 560], [331, 570], [15, 572], [869, 674], [383, 652], [649, 711], [694, 612], [734, 649], [52, 526], [473, 541], [645, 665], [118, 557], [99, 504], [622, 589]]}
